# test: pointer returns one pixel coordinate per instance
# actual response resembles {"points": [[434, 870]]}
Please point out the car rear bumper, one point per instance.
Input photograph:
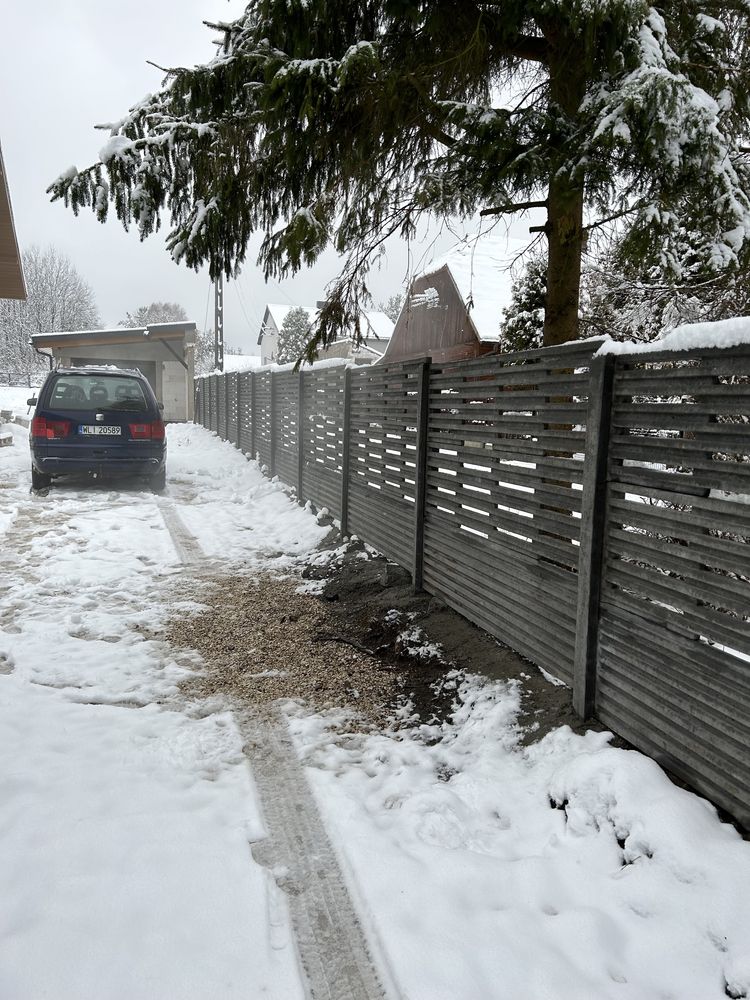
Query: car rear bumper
{"points": [[110, 466]]}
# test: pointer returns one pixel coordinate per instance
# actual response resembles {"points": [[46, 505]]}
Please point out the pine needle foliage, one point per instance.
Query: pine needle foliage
{"points": [[326, 122]]}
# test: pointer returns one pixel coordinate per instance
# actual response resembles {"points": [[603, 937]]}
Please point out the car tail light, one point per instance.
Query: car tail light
{"points": [[42, 427], [147, 432]]}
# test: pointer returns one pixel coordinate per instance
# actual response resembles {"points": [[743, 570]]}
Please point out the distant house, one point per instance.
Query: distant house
{"points": [[454, 307], [273, 320], [163, 352], [375, 325], [12, 284]]}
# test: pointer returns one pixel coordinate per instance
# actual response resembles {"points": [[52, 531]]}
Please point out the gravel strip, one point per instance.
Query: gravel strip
{"points": [[262, 641]]}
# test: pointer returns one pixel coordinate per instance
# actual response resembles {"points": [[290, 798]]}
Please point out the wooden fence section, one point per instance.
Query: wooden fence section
{"points": [[591, 513], [673, 664], [382, 458], [505, 450], [323, 437]]}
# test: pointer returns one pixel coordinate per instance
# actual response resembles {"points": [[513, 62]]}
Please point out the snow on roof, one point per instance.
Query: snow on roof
{"points": [[375, 323], [480, 265], [118, 331], [380, 324], [734, 332]]}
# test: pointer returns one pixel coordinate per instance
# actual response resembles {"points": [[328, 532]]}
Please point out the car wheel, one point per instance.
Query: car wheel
{"points": [[159, 481], [39, 480]]}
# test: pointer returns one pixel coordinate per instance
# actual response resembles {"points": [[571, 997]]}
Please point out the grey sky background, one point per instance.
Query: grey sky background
{"points": [[65, 67]]}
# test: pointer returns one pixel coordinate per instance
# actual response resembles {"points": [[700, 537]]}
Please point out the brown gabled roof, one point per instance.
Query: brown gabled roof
{"points": [[12, 284]]}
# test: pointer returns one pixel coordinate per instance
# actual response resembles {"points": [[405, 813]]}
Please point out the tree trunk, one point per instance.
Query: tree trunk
{"points": [[565, 242], [565, 201]]}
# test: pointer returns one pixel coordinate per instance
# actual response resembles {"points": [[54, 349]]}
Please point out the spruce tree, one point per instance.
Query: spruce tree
{"points": [[293, 336], [329, 122], [522, 325]]}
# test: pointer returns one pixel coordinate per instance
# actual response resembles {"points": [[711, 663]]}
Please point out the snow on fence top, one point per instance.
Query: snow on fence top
{"points": [[273, 367], [734, 332]]}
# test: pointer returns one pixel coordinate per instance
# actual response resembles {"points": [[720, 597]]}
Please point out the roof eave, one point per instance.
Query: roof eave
{"points": [[12, 280]]}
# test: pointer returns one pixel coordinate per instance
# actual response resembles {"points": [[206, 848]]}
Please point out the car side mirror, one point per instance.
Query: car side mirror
{"points": [[32, 401]]}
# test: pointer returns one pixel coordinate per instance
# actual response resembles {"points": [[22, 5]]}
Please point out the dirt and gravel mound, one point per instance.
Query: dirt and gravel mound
{"points": [[362, 640]]}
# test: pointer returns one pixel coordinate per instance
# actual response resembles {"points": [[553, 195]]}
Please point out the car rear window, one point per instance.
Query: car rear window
{"points": [[94, 391]]}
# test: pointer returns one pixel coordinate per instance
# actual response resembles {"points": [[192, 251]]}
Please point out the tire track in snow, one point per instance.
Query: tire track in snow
{"points": [[300, 858], [187, 545]]}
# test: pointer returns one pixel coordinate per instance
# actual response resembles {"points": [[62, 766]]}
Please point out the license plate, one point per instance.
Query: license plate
{"points": [[99, 429]]}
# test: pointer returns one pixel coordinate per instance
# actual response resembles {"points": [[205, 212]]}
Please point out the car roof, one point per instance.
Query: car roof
{"points": [[99, 370]]}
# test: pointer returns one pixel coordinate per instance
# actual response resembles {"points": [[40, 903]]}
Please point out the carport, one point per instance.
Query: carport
{"points": [[163, 352]]}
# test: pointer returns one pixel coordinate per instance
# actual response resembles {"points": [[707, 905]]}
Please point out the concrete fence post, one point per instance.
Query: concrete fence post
{"points": [[593, 528]]}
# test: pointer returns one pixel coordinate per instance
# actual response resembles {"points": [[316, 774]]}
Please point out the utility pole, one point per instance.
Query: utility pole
{"points": [[219, 323]]}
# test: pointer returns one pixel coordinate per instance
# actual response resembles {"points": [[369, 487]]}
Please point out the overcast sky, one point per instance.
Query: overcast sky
{"points": [[68, 66]]}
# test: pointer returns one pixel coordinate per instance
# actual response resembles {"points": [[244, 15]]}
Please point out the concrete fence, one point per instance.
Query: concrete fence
{"points": [[593, 513]]}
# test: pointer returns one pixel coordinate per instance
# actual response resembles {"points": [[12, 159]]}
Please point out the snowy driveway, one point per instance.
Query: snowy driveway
{"points": [[125, 868], [132, 841]]}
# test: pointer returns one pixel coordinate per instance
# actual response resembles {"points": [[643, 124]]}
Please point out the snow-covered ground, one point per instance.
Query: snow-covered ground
{"points": [[482, 870]]}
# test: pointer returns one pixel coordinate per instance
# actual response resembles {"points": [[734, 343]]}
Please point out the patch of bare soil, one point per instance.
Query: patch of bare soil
{"points": [[365, 642], [363, 594]]}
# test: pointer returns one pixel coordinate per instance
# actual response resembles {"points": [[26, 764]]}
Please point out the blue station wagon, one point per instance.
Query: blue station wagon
{"points": [[97, 421]]}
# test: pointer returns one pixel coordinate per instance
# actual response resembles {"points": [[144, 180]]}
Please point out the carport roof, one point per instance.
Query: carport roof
{"points": [[12, 284], [120, 335]]}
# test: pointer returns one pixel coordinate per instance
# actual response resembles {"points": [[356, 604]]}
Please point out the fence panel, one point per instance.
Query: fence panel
{"points": [[382, 457], [323, 435], [245, 412], [505, 450], [286, 414], [674, 633], [221, 403], [232, 406], [263, 418], [213, 394]]}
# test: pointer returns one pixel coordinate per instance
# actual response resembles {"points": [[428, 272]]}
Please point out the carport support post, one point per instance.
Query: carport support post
{"points": [[593, 527], [345, 452], [300, 435], [420, 474]]}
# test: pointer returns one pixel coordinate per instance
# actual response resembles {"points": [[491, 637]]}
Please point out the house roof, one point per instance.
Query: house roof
{"points": [[12, 283], [278, 314], [120, 335], [480, 266], [380, 324], [376, 325]]}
